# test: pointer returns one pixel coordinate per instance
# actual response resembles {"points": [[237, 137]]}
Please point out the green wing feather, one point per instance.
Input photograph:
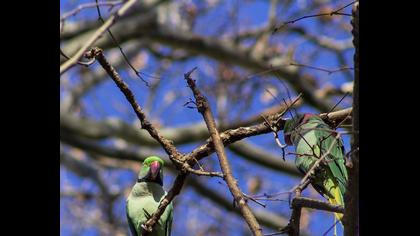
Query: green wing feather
{"points": [[168, 225], [130, 223], [336, 159], [313, 132]]}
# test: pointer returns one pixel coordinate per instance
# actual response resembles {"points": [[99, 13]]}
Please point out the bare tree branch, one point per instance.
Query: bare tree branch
{"points": [[88, 5], [316, 204], [332, 13], [351, 198], [175, 190], [204, 108]]}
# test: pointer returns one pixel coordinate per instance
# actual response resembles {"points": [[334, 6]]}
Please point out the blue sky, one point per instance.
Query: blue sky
{"points": [[99, 104]]}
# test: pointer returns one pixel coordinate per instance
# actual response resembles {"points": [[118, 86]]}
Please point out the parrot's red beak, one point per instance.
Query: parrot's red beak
{"points": [[154, 169]]}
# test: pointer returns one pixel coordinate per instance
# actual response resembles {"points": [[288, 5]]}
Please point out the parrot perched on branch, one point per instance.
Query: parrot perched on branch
{"points": [[330, 179], [145, 197]]}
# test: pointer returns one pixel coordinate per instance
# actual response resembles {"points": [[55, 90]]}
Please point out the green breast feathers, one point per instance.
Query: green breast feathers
{"points": [[145, 197]]}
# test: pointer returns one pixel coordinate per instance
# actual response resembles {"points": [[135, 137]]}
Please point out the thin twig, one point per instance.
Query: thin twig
{"points": [[185, 167], [268, 196], [335, 12], [81, 7], [329, 71], [89, 5], [288, 107], [254, 200], [330, 228], [278, 67], [138, 73], [310, 146], [83, 63], [299, 154], [276, 138], [205, 173], [332, 109]]}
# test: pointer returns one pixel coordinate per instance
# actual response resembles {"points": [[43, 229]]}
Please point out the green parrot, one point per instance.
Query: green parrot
{"points": [[145, 197], [331, 178]]}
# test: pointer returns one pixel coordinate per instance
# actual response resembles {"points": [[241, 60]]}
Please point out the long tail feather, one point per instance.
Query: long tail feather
{"points": [[337, 200]]}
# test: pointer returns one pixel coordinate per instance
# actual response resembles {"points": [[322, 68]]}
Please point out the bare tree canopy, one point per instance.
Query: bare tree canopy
{"points": [[207, 86]]}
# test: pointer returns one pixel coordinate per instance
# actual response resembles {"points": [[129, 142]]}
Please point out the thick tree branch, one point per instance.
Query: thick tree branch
{"points": [[351, 199], [293, 228], [204, 108], [316, 204]]}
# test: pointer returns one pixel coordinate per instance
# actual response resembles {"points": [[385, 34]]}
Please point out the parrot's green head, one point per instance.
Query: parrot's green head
{"points": [[152, 170], [291, 125]]}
